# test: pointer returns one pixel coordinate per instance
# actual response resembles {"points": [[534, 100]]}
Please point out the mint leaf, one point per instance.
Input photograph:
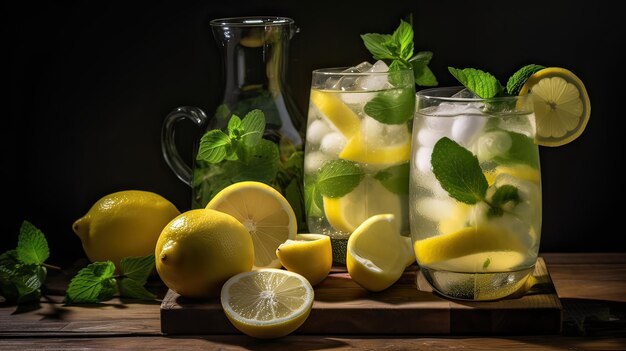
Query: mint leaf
{"points": [[395, 106], [133, 289], [253, 125], [313, 202], [137, 268], [519, 78], [32, 247], [378, 45], [337, 178], [28, 280], [522, 150], [421, 72], [92, 284], [234, 127], [214, 146], [504, 194], [403, 37], [395, 178], [258, 163], [481, 83], [458, 171]]}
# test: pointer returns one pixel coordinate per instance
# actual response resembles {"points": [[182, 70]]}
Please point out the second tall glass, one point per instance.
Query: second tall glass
{"points": [[357, 150]]}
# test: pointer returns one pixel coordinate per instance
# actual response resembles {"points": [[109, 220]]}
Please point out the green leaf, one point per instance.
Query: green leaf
{"points": [[293, 194], [313, 202], [403, 36], [395, 106], [505, 193], [253, 126], [395, 178], [133, 289], [519, 78], [377, 45], [458, 171], [523, 150], [259, 163], [234, 127], [32, 247], [222, 112], [137, 268], [295, 162], [337, 178], [481, 83], [214, 146], [28, 281], [422, 74], [92, 284]]}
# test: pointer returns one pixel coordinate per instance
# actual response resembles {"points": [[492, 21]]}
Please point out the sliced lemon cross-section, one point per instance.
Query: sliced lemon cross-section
{"points": [[268, 303], [264, 212], [562, 106]]}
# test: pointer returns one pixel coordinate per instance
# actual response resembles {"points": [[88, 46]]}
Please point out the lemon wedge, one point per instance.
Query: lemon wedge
{"points": [[369, 198], [375, 258], [562, 106], [359, 149], [264, 212], [340, 115], [442, 249], [268, 303], [309, 255]]}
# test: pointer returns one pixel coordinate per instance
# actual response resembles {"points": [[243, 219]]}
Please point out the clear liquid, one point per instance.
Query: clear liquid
{"points": [[463, 250]]}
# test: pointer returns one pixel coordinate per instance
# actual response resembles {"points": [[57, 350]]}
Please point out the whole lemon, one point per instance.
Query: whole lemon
{"points": [[200, 250], [122, 224]]}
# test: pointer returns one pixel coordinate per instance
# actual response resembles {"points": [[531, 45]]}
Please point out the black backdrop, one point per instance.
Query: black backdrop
{"points": [[91, 82]]}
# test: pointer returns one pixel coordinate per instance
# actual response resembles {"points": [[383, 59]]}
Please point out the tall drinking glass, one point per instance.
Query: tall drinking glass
{"points": [[475, 193], [357, 149]]}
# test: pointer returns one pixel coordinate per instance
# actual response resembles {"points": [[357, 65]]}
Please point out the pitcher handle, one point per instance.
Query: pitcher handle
{"points": [[168, 144]]}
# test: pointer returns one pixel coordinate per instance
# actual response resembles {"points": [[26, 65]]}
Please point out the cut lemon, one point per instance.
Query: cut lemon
{"points": [[264, 212], [340, 115], [562, 106], [361, 150], [309, 255], [268, 303], [467, 241], [369, 198], [375, 258], [520, 171]]}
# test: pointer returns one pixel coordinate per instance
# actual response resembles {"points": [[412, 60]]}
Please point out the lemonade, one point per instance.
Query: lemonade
{"points": [[357, 149], [475, 192]]}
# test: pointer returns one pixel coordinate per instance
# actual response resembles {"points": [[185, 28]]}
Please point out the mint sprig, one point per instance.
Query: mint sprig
{"points": [[337, 178], [458, 172], [32, 247], [519, 78], [397, 50], [394, 106], [486, 86]]}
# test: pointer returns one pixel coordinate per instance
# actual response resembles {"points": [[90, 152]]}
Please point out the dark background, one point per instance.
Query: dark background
{"points": [[92, 81]]}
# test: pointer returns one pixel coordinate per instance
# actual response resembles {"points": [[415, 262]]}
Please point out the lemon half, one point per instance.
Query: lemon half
{"points": [[561, 104], [309, 255], [268, 303], [264, 212]]}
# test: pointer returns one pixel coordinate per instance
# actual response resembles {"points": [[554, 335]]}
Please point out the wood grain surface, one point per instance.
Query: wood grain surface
{"points": [[591, 288]]}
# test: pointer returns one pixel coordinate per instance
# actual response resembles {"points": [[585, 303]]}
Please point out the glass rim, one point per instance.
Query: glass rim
{"points": [[338, 71], [251, 21], [428, 94]]}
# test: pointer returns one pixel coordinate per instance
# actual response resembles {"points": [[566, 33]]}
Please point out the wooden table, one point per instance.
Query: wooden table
{"points": [[592, 289]]}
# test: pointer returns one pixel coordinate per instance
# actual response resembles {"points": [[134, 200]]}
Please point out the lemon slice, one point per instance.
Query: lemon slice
{"points": [[309, 255], [264, 212], [369, 198], [374, 258], [562, 106], [361, 150], [467, 241], [341, 116], [268, 303]]}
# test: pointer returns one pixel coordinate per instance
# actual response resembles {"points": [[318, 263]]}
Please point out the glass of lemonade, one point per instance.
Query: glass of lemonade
{"points": [[475, 193], [357, 149]]}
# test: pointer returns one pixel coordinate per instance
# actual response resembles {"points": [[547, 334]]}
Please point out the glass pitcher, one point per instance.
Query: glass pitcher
{"points": [[254, 53]]}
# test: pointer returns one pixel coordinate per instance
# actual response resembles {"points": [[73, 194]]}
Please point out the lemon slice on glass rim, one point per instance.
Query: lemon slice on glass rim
{"points": [[561, 104]]}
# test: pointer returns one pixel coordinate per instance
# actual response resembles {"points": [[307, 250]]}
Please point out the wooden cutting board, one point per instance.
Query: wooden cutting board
{"points": [[408, 307]]}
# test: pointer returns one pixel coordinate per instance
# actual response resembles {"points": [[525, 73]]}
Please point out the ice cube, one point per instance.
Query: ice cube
{"points": [[348, 82], [465, 94], [422, 159], [435, 209], [381, 134], [379, 66], [333, 143], [492, 144], [428, 137], [358, 97], [316, 131], [313, 161], [376, 81], [466, 128], [364, 66]]}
